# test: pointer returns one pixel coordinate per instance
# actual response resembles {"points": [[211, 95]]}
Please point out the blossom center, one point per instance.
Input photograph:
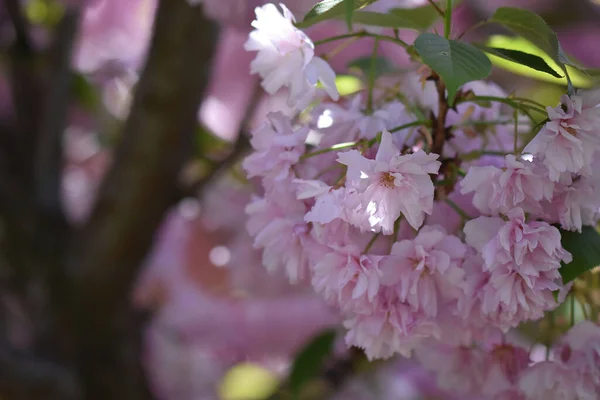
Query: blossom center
{"points": [[387, 180]]}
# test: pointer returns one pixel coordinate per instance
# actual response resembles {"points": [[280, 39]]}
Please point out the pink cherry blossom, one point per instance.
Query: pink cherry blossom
{"points": [[457, 368], [426, 271], [285, 57], [277, 225], [522, 261], [527, 248], [552, 380], [392, 328], [348, 279], [579, 348], [392, 184], [518, 184], [277, 148], [567, 142], [504, 365]]}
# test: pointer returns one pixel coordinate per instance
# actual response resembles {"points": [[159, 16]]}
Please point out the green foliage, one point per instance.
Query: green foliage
{"points": [[420, 17], [579, 78], [385, 20], [310, 359], [520, 57], [84, 92], [531, 27], [328, 9], [455, 62], [349, 4], [585, 248]]}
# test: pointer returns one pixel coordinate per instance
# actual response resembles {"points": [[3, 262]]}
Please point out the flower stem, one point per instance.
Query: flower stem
{"points": [[448, 19], [371, 242], [458, 210], [335, 147]]}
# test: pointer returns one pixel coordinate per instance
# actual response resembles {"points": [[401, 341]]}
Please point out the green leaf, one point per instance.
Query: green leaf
{"points": [[84, 91], [585, 248], [381, 65], [420, 17], [328, 9], [532, 27], [310, 359], [520, 57], [349, 4], [457, 63], [579, 78], [384, 20]]}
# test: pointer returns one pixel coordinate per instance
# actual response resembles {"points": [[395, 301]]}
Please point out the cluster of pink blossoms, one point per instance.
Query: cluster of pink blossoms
{"points": [[348, 203]]}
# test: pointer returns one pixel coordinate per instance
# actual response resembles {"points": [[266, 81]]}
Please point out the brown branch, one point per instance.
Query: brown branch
{"points": [[439, 123], [48, 154], [14, 11], [133, 198], [23, 377]]}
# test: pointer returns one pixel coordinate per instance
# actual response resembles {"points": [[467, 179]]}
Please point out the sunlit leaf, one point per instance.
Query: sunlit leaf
{"points": [[521, 58], [579, 79], [457, 63], [530, 26]]}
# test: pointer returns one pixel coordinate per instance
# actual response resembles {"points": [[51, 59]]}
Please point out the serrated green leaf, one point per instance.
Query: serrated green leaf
{"points": [[530, 26], [421, 17], [455, 62], [381, 65], [585, 249], [310, 359], [520, 57], [349, 4], [328, 9]]}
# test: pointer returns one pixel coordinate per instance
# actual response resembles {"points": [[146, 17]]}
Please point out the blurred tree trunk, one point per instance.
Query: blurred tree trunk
{"points": [[75, 282]]}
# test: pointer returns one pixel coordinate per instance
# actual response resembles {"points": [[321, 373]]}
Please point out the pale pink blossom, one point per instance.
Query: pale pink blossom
{"points": [[426, 272], [285, 57], [277, 147], [504, 365], [277, 225], [579, 348], [568, 141], [522, 262], [552, 380], [348, 279], [577, 204], [528, 248], [518, 184], [392, 184], [457, 368], [392, 328]]}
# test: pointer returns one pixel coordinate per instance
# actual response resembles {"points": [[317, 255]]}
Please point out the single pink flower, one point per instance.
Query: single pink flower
{"points": [[392, 184]]}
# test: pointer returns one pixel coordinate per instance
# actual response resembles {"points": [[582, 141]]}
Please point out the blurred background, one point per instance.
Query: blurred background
{"points": [[125, 268]]}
